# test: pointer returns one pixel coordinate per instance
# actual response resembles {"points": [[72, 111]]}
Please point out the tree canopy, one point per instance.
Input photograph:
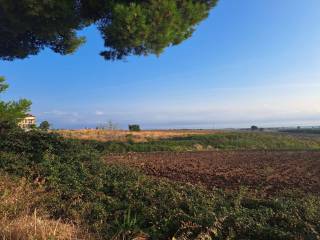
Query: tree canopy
{"points": [[11, 112], [45, 126], [128, 27]]}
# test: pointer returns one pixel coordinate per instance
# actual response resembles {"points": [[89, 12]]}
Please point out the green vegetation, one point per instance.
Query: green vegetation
{"points": [[134, 127], [127, 27], [120, 203], [12, 111], [226, 140], [303, 130], [254, 128], [45, 126]]}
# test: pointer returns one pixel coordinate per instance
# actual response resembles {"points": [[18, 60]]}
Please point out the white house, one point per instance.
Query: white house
{"points": [[27, 122]]}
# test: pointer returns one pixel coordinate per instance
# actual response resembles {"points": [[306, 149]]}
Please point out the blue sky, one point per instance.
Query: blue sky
{"points": [[250, 62]]}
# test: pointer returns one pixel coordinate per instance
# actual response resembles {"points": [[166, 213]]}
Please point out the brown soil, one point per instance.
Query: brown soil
{"points": [[269, 171]]}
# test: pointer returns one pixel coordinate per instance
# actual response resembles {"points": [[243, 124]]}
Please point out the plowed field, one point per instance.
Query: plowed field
{"points": [[266, 171]]}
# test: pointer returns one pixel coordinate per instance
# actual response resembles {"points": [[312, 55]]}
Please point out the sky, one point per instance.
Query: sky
{"points": [[251, 62]]}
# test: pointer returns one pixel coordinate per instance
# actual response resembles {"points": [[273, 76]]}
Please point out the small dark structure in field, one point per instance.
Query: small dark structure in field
{"points": [[134, 127]]}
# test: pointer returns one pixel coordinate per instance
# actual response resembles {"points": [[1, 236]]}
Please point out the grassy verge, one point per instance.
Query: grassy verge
{"points": [[114, 202], [227, 140]]}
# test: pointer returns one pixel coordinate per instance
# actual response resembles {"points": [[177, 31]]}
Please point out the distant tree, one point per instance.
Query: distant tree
{"points": [[134, 127], [128, 27], [13, 111], [254, 128], [45, 126]]}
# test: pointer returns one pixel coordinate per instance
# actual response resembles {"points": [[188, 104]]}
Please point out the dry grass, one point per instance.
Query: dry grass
{"points": [[34, 227], [123, 136], [19, 220]]}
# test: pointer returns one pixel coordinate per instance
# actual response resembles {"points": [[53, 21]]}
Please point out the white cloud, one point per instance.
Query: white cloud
{"points": [[58, 116], [99, 113], [61, 113]]}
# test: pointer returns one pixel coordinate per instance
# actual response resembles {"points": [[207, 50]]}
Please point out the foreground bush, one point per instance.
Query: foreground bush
{"points": [[120, 203]]}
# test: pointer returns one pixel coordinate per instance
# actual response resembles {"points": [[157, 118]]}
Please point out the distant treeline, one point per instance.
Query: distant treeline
{"points": [[303, 130]]}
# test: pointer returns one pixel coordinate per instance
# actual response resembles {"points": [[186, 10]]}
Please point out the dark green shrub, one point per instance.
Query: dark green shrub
{"points": [[254, 128], [134, 127], [45, 126]]}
